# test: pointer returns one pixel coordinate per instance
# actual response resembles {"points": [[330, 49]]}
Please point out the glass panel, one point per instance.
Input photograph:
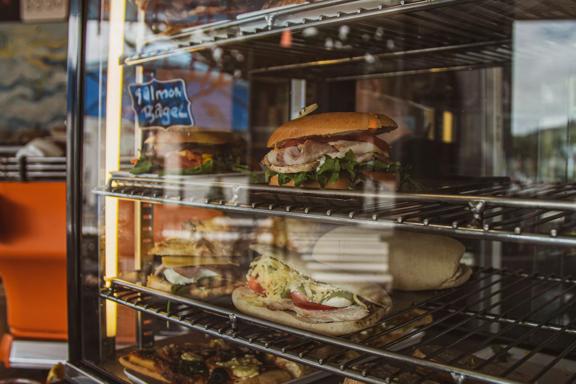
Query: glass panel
{"points": [[390, 174]]}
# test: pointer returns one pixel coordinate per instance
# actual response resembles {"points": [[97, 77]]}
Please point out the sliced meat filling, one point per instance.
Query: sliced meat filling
{"points": [[360, 148], [307, 152], [306, 157], [350, 313]]}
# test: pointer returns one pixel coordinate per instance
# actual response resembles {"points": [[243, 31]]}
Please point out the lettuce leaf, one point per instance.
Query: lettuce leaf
{"points": [[284, 178], [206, 167], [143, 165], [332, 169], [377, 165]]}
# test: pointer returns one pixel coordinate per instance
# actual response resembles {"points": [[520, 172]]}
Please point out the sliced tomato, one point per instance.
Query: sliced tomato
{"points": [[255, 286], [134, 161], [300, 300]]}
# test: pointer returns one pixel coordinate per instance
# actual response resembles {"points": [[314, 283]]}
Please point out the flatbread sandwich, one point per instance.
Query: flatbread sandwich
{"points": [[276, 291]]}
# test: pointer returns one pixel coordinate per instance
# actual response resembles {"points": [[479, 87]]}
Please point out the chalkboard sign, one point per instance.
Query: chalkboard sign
{"points": [[161, 103], [43, 10]]}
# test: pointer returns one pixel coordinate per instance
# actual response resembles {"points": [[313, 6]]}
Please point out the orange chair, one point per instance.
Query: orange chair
{"points": [[33, 260]]}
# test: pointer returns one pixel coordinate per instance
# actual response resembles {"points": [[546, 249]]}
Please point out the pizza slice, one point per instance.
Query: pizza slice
{"points": [[212, 362]]}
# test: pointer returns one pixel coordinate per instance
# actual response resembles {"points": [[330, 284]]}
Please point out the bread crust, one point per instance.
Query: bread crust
{"points": [[462, 275], [420, 262], [241, 299], [341, 183], [333, 123], [126, 362]]}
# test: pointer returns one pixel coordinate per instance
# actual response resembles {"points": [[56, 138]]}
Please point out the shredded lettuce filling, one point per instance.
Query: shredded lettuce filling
{"points": [[278, 280]]}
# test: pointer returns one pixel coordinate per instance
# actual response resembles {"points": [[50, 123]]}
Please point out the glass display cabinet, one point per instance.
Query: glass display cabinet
{"points": [[322, 191]]}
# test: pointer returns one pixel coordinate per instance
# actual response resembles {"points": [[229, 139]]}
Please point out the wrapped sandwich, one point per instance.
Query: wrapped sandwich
{"points": [[415, 261]]}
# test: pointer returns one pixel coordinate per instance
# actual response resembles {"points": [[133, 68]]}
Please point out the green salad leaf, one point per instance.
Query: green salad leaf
{"points": [[301, 177], [329, 170], [377, 165], [143, 165], [332, 169], [206, 167]]}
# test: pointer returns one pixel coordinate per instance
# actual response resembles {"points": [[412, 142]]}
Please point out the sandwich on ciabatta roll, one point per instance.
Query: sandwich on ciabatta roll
{"points": [[193, 268], [199, 261], [197, 277], [336, 150], [189, 151]]}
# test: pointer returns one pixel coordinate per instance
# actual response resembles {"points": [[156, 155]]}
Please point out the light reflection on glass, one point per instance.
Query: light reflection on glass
{"points": [[544, 100]]}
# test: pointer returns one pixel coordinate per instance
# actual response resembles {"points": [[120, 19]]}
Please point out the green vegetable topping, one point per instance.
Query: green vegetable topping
{"points": [[181, 290], [333, 169], [143, 165]]}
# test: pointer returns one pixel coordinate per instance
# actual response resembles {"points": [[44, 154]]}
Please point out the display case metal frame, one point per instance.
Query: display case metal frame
{"points": [[75, 132], [223, 322], [538, 214]]}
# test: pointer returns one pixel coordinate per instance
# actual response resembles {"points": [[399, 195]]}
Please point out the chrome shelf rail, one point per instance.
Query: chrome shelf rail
{"points": [[540, 214], [447, 329], [271, 24], [377, 40], [32, 168], [390, 64]]}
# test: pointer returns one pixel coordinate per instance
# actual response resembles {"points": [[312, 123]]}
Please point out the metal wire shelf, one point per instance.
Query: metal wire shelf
{"points": [[540, 214], [377, 38], [415, 61], [503, 308], [32, 168]]}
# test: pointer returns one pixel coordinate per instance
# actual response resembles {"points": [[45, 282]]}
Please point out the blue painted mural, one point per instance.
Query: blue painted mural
{"points": [[33, 79]]}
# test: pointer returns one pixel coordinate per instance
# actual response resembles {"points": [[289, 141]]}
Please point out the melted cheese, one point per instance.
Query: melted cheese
{"points": [[243, 367], [273, 275]]}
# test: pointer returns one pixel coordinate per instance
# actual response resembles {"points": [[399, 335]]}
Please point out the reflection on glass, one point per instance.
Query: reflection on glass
{"points": [[544, 100]]}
